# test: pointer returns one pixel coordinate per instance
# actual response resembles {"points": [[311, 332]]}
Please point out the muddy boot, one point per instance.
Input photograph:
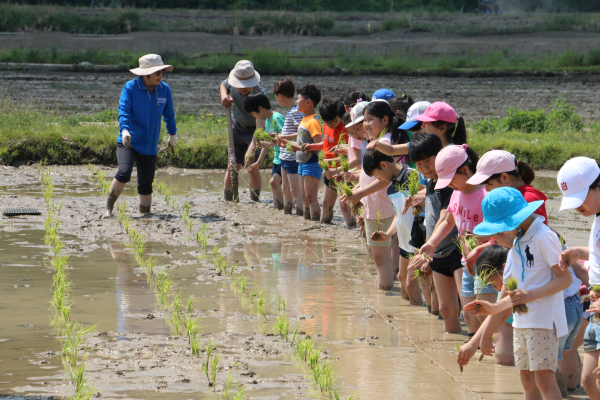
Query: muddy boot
{"points": [[144, 209], [110, 203], [306, 212], [299, 212], [288, 209], [144, 203], [228, 194], [255, 194]]}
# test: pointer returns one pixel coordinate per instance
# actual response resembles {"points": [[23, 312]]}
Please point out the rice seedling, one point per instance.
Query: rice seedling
{"points": [[168, 194], [324, 164], [160, 188], [344, 188], [173, 205], [46, 178], [304, 348], [564, 247], [190, 225], [190, 301], [282, 326], [457, 350], [175, 320], [127, 224], [47, 194], [281, 304], [410, 188], [149, 264], [260, 305], [221, 264], [383, 132], [243, 282], [74, 335], [344, 163], [101, 175], [511, 284], [215, 251], [163, 285], [482, 276], [261, 135], [106, 187], [313, 359], [466, 244], [378, 219], [240, 394], [289, 148], [194, 345], [226, 386], [210, 364], [323, 377], [91, 169]]}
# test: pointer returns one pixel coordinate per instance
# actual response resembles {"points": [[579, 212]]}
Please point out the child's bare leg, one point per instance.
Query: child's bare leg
{"points": [[297, 189], [435, 302], [383, 263], [311, 185], [412, 285], [503, 345], [529, 386], [471, 321], [588, 379], [573, 368], [347, 213], [403, 277], [329, 198], [545, 381], [448, 299], [426, 289], [276, 182], [395, 254], [305, 201], [255, 183], [288, 198]]}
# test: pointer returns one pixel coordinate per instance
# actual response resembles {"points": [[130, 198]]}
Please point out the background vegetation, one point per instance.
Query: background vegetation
{"points": [[545, 139]]}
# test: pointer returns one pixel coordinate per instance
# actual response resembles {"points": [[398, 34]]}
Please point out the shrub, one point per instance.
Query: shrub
{"points": [[488, 126], [563, 116], [527, 121], [593, 57]]}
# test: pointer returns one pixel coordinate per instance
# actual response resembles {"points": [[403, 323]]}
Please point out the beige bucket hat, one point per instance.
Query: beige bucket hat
{"points": [[243, 75], [149, 64]]}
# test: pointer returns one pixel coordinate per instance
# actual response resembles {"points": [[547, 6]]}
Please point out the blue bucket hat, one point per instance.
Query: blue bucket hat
{"points": [[383, 94], [504, 209]]}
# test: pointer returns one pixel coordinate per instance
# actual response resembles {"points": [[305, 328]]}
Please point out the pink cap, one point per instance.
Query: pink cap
{"points": [[492, 162], [438, 111], [447, 162]]}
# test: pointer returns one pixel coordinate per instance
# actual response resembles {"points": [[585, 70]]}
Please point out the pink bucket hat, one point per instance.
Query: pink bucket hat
{"points": [[447, 162], [492, 162], [438, 111]]}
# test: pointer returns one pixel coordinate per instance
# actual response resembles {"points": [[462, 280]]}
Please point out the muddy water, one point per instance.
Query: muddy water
{"points": [[330, 296]]}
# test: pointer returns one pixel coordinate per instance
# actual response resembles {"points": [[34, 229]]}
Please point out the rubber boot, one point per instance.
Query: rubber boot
{"points": [[228, 194], [254, 194], [110, 203], [145, 203]]}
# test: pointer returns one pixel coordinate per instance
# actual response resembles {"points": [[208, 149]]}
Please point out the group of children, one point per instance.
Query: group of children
{"points": [[457, 231]]}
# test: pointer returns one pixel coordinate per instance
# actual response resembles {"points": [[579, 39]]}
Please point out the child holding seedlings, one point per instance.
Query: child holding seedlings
{"points": [[454, 166], [309, 131], [534, 267], [293, 191], [398, 176], [260, 107], [378, 211], [331, 112], [579, 181], [444, 259]]}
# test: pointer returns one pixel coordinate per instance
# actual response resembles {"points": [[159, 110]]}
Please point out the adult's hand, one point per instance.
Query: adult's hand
{"points": [[172, 141], [126, 138], [226, 102]]}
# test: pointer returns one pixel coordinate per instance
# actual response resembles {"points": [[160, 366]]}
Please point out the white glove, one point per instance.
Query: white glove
{"points": [[126, 137], [172, 140]]}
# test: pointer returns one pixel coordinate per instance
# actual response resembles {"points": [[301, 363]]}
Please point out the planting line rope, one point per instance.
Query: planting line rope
{"points": [[389, 322]]}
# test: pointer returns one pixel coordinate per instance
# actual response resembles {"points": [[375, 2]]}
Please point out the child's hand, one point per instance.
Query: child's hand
{"points": [[373, 144], [281, 142], [379, 236], [417, 262], [427, 269], [264, 145], [254, 167], [466, 352], [330, 173], [487, 346], [427, 250], [342, 150], [519, 296], [353, 199], [594, 306], [308, 146], [568, 258], [485, 308], [346, 175], [249, 160]]}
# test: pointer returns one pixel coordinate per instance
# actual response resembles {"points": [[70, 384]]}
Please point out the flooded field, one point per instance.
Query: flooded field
{"points": [[380, 347]]}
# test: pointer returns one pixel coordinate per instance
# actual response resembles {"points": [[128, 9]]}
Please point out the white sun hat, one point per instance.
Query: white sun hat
{"points": [[149, 64], [243, 75]]}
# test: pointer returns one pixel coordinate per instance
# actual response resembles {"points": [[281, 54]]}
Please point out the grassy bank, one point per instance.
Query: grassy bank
{"points": [[545, 139], [345, 60], [22, 18]]}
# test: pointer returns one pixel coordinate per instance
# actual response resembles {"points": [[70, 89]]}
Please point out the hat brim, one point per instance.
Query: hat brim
{"points": [[573, 200], [151, 70], [424, 118], [444, 181], [409, 125], [358, 121], [478, 179], [487, 228], [244, 83]]}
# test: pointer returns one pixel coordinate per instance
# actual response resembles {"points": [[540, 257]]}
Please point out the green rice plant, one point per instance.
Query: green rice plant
{"points": [[227, 386], [243, 282], [194, 345], [383, 132], [324, 164], [83, 391], [127, 224], [186, 207], [190, 225], [47, 194], [344, 163], [457, 350], [288, 147], [378, 218], [173, 205], [149, 264], [175, 320], [466, 243], [313, 359], [106, 187], [281, 304], [160, 188], [323, 377], [91, 169], [511, 284], [207, 367], [168, 194], [101, 175], [564, 247], [343, 188], [282, 326], [122, 207], [260, 305], [189, 304], [482, 277], [240, 394], [294, 336], [261, 135], [304, 348], [73, 337], [410, 188], [215, 251], [163, 285]]}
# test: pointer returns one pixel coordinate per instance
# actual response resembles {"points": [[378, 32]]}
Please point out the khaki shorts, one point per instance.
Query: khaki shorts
{"points": [[371, 226], [535, 349]]}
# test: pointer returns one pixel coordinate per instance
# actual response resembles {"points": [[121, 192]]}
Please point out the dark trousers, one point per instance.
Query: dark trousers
{"points": [[145, 165]]}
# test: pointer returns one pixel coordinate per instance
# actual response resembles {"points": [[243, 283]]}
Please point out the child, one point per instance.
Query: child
{"points": [[441, 120], [492, 259], [385, 169], [401, 105], [331, 112], [378, 211], [446, 260], [579, 181], [534, 264], [309, 131], [260, 107], [454, 165], [284, 91]]}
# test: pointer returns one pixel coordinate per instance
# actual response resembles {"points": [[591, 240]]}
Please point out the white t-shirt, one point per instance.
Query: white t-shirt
{"points": [[540, 249], [594, 249]]}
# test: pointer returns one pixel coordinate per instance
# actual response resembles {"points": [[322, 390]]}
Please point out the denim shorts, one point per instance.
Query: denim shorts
{"points": [[276, 169], [591, 339], [290, 167], [468, 286], [574, 311], [310, 169]]}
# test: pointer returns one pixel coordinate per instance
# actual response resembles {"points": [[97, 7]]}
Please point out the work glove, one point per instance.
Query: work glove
{"points": [[126, 137], [172, 141]]}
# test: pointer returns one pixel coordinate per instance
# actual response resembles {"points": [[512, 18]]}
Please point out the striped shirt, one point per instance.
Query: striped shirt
{"points": [[290, 127]]}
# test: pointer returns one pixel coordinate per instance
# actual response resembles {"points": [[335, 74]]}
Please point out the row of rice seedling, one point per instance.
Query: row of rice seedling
{"points": [[101, 177], [71, 334]]}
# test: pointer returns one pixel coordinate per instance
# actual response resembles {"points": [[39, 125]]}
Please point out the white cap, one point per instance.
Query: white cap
{"points": [[243, 75], [357, 113], [149, 64], [416, 109], [574, 180]]}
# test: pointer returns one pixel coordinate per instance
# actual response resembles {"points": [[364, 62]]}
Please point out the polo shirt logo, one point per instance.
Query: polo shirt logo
{"points": [[564, 187], [529, 257]]}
